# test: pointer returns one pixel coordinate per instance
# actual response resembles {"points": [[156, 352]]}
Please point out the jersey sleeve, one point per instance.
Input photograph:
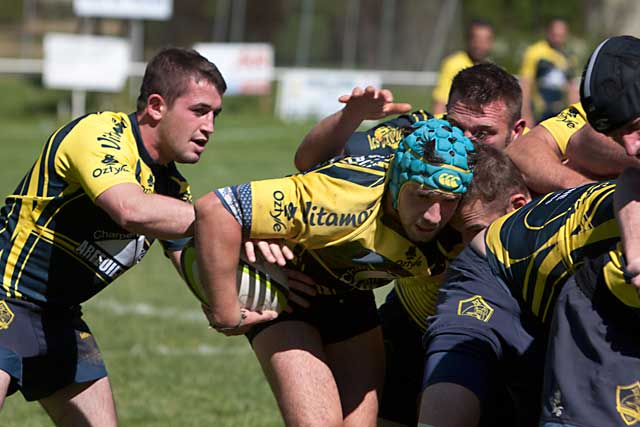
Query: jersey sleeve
{"points": [[98, 153], [316, 209], [565, 124]]}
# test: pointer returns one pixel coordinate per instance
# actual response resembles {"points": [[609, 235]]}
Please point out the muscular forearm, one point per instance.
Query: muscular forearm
{"points": [[161, 217], [218, 239], [327, 139], [598, 154], [153, 215], [541, 164]]}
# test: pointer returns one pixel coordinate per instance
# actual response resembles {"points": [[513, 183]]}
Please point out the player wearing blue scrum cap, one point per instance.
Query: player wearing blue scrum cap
{"points": [[448, 169], [355, 223]]}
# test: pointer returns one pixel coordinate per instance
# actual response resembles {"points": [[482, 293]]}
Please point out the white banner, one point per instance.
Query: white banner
{"points": [[246, 67], [310, 93], [84, 62], [160, 10]]}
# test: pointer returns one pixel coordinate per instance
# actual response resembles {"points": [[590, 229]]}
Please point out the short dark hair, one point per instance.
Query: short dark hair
{"points": [[484, 83], [495, 176], [169, 71]]}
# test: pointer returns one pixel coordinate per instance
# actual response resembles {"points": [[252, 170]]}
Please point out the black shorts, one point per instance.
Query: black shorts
{"points": [[403, 365], [336, 317], [592, 374], [480, 339], [45, 349]]}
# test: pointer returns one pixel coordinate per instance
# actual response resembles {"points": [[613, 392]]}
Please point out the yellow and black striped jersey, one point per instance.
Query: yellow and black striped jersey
{"points": [[56, 246], [536, 248], [333, 215]]}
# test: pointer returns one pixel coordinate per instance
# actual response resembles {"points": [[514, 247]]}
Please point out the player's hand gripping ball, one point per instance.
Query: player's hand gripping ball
{"points": [[261, 285]]}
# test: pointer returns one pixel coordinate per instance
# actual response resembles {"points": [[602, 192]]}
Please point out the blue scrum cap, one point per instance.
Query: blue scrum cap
{"points": [[451, 175]]}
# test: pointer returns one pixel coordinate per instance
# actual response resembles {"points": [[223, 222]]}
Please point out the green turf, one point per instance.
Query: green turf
{"points": [[166, 367]]}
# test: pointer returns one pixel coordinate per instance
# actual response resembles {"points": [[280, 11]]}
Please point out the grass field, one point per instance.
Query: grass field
{"points": [[166, 367]]}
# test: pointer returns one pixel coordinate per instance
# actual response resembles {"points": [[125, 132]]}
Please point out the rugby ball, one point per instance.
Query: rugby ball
{"points": [[261, 285]]}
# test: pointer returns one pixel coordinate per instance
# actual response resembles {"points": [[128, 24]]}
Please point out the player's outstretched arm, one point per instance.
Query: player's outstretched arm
{"points": [[595, 152], [218, 238], [538, 157], [328, 138], [153, 215]]}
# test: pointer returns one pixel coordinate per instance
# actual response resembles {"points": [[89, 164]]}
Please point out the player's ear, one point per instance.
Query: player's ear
{"points": [[518, 128], [156, 106], [516, 201]]}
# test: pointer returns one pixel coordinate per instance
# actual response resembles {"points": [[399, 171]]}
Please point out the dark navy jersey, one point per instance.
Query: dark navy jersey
{"points": [[538, 247]]}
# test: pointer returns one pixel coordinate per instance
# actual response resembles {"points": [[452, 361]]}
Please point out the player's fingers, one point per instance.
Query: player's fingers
{"points": [[288, 253], [386, 95], [250, 251], [371, 91], [253, 317], [344, 99], [265, 250], [397, 108], [357, 91], [276, 250]]}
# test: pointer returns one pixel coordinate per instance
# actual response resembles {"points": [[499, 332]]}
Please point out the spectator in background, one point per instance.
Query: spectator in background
{"points": [[547, 75], [480, 36]]}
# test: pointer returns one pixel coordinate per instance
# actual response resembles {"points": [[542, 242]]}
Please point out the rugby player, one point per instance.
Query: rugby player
{"points": [[103, 188], [485, 103], [357, 223]]}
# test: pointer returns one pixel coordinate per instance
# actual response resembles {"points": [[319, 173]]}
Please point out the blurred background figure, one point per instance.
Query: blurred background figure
{"points": [[480, 36], [548, 74]]}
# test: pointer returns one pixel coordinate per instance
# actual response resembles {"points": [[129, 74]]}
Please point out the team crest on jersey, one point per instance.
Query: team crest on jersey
{"points": [[628, 403], [385, 137], [6, 315], [476, 307]]}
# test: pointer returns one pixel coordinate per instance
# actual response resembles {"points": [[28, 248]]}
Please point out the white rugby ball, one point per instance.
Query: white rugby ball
{"points": [[261, 285]]}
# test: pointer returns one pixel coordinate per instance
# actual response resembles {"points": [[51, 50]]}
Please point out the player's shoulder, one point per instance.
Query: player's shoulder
{"points": [[105, 119], [366, 170], [107, 127]]}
